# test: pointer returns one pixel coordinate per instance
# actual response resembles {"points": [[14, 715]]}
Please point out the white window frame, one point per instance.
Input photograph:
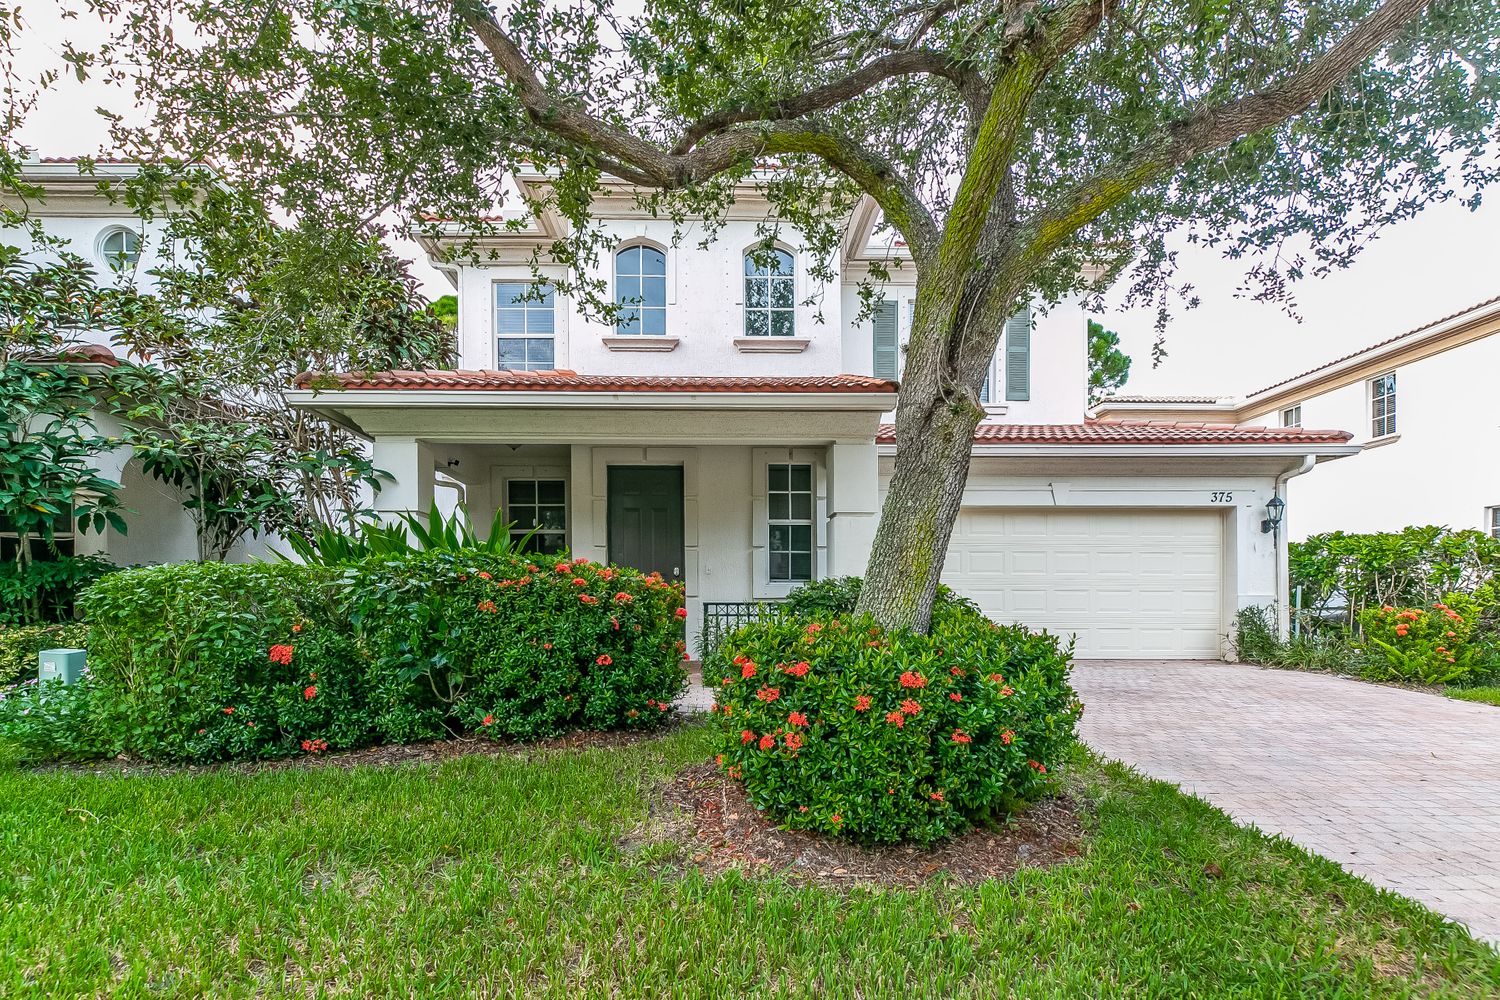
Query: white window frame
{"points": [[1291, 416], [763, 276], [1382, 425], [789, 521], [535, 478], [528, 307], [119, 260], [640, 309], [1493, 519], [763, 587]]}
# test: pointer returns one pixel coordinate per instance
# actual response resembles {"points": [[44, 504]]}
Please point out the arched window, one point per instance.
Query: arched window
{"points": [[641, 291], [770, 294], [120, 248]]}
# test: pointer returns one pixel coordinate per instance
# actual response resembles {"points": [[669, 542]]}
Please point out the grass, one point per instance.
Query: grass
{"points": [[1484, 695], [502, 876]]}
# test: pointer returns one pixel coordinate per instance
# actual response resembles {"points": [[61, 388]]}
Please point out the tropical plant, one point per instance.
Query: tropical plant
{"points": [[436, 532], [1018, 150]]}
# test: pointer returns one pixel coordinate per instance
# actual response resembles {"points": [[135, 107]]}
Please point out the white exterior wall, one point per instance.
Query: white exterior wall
{"points": [[1439, 469]]}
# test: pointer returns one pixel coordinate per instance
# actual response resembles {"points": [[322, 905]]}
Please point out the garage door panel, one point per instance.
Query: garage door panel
{"points": [[1127, 583]]}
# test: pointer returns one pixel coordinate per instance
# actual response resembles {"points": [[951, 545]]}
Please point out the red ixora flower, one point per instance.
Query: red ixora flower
{"points": [[911, 680], [895, 718], [483, 575], [1008, 737], [767, 742], [297, 628], [623, 598], [956, 671], [798, 669], [564, 568], [281, 653], [862, 703], [959, 736], [488, 607], [835, 819], [604, 659], [488, 720], [955, 696], [579, 581], [910, 707], [680, 612], [588, 598], [796, 719], [997, 678], [768, 694], [747, 669], [1038, 768], [314, 746], [746, 736], [229, 711], [793, 741], [936, 796], [310, 692]]}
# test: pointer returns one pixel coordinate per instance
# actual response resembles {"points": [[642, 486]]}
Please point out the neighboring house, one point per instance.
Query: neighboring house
{"points": [[1419, 407], [732, 430], [122, 248]]}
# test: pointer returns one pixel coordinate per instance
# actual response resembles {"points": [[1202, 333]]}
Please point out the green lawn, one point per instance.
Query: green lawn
{"points": [[489, 876], [1486, 695]]}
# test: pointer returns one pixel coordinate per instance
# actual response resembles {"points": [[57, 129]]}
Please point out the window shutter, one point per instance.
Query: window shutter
{"points": [[887, 344], [1018, 356]]}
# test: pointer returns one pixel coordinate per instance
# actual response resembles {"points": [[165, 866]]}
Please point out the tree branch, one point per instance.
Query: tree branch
{"points": [[905, 63], [1177, 142]]}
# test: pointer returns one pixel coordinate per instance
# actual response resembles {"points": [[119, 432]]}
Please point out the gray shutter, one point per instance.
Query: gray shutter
{"points": [[887, 341], [1018, 356]]}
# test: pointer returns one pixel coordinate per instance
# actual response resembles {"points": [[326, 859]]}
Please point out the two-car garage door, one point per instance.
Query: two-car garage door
{"points": [[1128, 583]]}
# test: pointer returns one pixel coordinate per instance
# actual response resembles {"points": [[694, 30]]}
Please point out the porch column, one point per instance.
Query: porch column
{"points": [[853, 507], [410, 464]]}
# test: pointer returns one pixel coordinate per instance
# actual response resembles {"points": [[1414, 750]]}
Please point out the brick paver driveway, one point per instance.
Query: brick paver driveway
{"points": [[1401, 788]]}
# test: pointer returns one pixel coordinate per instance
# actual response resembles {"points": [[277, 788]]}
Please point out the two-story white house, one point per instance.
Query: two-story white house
{"points": [[732, 430], [1418, 406]]}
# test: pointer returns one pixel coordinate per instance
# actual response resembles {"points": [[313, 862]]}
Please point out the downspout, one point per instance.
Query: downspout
{"points": [[1283, 555]]}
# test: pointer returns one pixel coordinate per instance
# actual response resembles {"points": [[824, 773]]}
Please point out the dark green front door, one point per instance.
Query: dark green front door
{"points": [[645, 518]]}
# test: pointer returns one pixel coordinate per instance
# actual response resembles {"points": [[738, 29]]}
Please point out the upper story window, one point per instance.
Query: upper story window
{"points": [[789, 506], [120, 248], [770, 295], [524, 326], [1383, 405], [1292, 416], [1493, 520], [641, 291]]}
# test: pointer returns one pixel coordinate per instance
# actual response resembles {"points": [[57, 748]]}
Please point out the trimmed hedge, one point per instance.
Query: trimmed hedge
{"points": [[836, 725], [210, 662], [20, 644]]}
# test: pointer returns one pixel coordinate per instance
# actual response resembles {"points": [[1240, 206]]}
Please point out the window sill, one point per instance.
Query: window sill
{"points": [[995, 409], [771, 345], [1381, 442], [641, 343]]}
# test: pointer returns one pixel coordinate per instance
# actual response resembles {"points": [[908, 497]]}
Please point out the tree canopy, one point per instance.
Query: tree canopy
{"points": [[1023, 150], [1109, 366]]}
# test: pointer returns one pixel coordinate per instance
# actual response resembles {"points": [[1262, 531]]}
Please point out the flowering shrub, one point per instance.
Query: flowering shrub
{"points": [[1432, 645], [524, 647], [836, 725]]}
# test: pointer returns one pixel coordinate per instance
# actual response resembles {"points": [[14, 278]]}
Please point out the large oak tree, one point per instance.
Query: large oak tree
{"points": [[1020, 148]]}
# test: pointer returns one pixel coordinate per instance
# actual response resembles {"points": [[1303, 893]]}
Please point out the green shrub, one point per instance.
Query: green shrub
{"points": [[183, 656], [20, 644], [836, 725], [53, 721], [1256, 639], [1432, 645], [506, 646], [46, 590], [1346, 573]]}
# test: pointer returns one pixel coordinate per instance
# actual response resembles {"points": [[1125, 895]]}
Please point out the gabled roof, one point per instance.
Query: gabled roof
{"points": [[1141, 432], [1375, 348], [563, 380]]}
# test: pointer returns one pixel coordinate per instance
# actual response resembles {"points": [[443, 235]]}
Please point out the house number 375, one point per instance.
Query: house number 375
{"points": [[1221, 497]]}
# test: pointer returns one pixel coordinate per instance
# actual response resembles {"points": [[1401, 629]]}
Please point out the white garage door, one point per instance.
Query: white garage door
{"points": [[1142, 584]]}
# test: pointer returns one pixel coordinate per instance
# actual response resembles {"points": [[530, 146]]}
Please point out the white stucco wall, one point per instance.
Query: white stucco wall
{"points": [[1439, 469]]}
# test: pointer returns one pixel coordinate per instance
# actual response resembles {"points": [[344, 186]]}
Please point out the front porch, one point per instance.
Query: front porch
{"points": [[743, 492]]}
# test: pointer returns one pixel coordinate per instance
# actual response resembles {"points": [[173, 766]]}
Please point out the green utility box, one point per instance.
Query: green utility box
{"points": [[65, 665]]}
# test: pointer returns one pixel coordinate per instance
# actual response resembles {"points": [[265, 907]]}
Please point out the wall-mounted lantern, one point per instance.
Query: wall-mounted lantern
{"points": [[1275, 509]]}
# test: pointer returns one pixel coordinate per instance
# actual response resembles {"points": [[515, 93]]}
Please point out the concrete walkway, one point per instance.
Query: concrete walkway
{"points": [[1400, 787]]}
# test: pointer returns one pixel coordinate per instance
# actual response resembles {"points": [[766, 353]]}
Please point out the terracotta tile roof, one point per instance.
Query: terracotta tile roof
{"points": [[1377, 346], [569, 381], [1160, 399], [1149, 432]]}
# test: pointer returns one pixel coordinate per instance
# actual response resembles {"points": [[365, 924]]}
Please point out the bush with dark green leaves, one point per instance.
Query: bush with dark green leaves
{"points": [[20, 644], [837, 725]]}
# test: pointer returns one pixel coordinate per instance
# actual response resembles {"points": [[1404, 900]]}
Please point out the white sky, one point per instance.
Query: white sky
{"points": [[1441, 262]]}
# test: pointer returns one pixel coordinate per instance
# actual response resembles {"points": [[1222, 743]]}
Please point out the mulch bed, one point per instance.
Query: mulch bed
{"points": [[718, 828], [432, 752]]}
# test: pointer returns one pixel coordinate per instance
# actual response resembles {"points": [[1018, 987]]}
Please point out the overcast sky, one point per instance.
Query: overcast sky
{"points": [[1441, 262]]}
